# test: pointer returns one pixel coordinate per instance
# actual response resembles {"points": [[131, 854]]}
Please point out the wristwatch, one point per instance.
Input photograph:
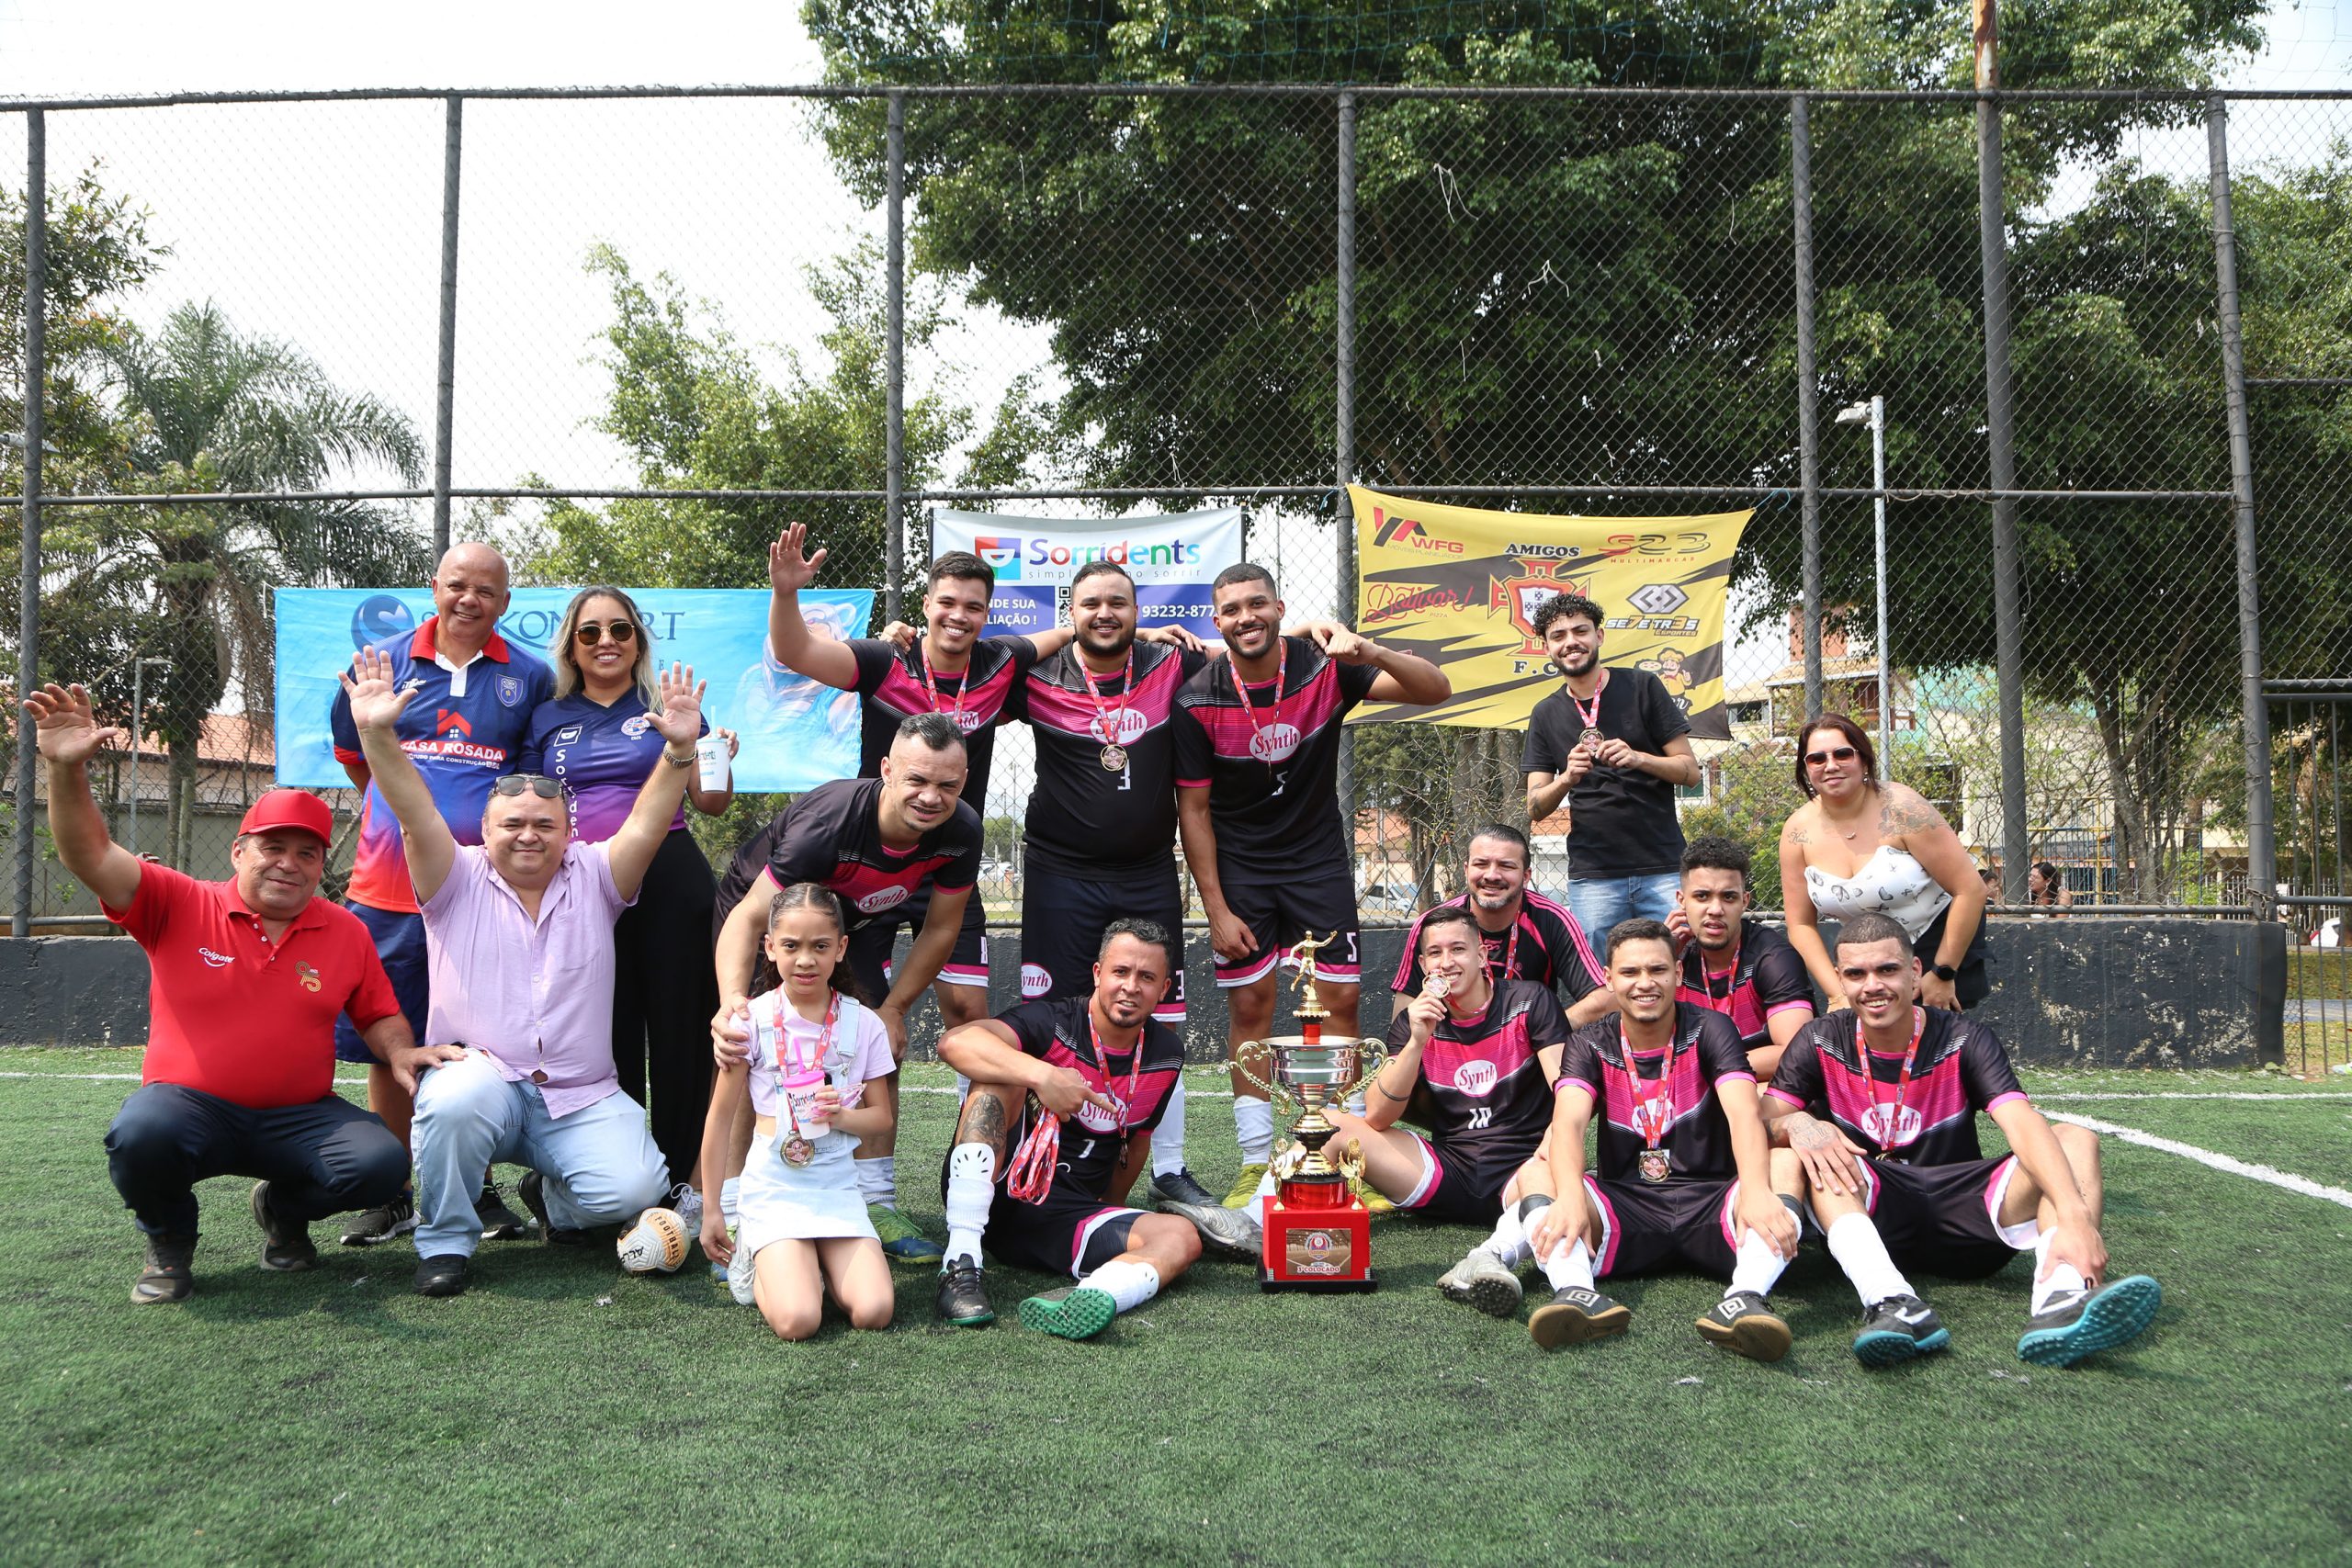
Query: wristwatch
{"points": [[1943, 972]]}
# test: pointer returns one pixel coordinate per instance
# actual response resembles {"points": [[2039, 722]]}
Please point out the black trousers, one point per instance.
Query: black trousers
{"points": [[320, 1159], [665, 989]]}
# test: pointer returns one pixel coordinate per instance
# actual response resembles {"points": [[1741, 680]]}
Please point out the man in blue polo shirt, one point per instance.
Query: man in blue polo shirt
{"points": [[472, 710]]}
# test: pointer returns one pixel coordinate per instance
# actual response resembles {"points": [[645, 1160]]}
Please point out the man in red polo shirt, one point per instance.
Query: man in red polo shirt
{"points": [[249, 976]]}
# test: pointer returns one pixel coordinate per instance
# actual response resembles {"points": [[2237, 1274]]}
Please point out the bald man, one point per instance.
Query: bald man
{"points": [[474, 696]]}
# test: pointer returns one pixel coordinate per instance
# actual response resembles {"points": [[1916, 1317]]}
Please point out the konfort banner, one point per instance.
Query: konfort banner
{"points": [[1461, 586], [1172, 559]]}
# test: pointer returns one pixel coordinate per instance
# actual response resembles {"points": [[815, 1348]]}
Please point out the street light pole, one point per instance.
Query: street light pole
{"points": [[1874, 414]]}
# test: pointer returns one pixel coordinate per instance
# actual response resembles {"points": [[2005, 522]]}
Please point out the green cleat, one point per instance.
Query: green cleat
{"points": [[1075, 1311], [902, 1242], [1245, 1186]]}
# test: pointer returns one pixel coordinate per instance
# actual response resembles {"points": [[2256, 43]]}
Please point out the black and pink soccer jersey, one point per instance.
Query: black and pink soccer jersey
{"points": [[1765, 976], [1483, 1092], [1705, 1053], [1085, 821], [1962, 1068], [831, 836], [1271, 771], [891, 683], [1060, 1031], [1546, 945]]}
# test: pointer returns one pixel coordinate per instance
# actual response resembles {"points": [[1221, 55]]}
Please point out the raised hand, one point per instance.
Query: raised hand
{"points": [[790, 567], [678, 720], [64, 728], [376, 703]]}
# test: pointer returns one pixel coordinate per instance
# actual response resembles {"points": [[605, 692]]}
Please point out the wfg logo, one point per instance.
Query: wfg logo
{"points": [[1408, 534]]}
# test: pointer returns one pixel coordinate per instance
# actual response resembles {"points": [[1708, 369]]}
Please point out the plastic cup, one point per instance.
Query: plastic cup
{"points": [[711, 761], [800, 1092]]}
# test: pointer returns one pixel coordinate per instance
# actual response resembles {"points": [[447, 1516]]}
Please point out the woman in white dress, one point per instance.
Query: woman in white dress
{"points": [[1862, 843], [802, 1230]]}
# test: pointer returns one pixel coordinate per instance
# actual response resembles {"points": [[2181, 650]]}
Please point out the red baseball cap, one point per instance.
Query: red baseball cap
{"points": [[289, 808]]}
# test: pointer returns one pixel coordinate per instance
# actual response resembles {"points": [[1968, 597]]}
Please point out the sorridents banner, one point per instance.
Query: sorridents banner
{"points": [[1461, 586], [796, 733], [1172, 558]]}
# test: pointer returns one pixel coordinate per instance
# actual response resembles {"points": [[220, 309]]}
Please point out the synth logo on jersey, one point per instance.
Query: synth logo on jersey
{"points": [[1097, 1119], [1131, 724], [1036, 981], [1275, 743], [1906, 1125], [1476, 1077]]}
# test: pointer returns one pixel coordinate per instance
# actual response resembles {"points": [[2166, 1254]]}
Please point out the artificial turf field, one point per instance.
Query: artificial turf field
{"points": [[562, 1411]]}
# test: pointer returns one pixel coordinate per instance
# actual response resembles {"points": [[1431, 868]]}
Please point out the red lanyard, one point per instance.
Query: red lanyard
{"points": [[1510, 957], [1902, 1080], [1102, 1065], [1112, 732], [1259, 734], [1707, 978], [786, 1063], [1031, 1175], [930, 688], [1589, 717], [1652, 1113]]}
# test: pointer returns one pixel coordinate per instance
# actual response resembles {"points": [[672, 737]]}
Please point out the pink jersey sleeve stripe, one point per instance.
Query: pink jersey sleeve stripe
{"points": [[1779, 1008], [2001, 1100], [1783, 1095]]}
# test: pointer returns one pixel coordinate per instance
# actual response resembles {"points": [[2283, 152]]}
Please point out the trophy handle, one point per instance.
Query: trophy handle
{"points": [[1376, 1052], [1275, 1091]]}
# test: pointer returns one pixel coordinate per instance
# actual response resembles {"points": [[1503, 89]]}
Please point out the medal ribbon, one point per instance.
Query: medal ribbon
{"points": [[1102, 714], [1707, 978], [1032, 1173], [931, 687], [1902, 1080], [786, 1067], [1510, 957], [1659, 1108], [1589, 718], [1249, 710]]}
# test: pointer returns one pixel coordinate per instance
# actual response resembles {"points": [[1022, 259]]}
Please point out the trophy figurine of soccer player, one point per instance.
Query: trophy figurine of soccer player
{"points": [[1316, 1233]]}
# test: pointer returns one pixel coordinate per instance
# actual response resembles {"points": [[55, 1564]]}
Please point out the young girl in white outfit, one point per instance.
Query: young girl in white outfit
{"points": [[814, 1048]]}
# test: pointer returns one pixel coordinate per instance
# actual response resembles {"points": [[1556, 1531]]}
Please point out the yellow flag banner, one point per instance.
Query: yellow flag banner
{"points": [[1460, 586]]}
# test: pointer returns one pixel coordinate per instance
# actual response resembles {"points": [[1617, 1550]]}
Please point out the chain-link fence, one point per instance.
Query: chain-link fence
{"points": [[627, 337]]}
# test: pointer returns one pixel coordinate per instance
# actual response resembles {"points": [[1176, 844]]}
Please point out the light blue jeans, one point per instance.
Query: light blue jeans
{"points": [[599, 1165], [1602, 901]]}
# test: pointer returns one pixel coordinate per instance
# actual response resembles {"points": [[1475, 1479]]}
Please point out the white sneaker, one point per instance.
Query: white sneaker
{"points": [[686, 1203], [739, 1273]]}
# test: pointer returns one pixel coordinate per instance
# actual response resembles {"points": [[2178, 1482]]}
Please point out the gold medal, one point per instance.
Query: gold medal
{"points": [[1656, 1165], [1114, 758], [799, 1151], [1591, 738]]}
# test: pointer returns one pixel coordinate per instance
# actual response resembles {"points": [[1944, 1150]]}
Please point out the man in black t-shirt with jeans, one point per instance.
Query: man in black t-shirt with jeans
{"points": [[1257, 802], [1613, 744]]}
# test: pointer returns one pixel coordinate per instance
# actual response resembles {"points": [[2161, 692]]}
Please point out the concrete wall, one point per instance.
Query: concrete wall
{"points": [[2071, 993]]}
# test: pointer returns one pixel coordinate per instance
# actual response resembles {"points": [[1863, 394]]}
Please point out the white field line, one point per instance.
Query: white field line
{"points": [[2292, 1183]]}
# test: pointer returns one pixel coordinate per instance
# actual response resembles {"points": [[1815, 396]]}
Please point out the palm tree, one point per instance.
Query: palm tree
{"points": [[213, 410]]}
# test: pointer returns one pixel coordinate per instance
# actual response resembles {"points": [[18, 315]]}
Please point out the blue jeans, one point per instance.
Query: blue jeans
{"points": [[1598, 903], [319, 1159], [600, 1164]]}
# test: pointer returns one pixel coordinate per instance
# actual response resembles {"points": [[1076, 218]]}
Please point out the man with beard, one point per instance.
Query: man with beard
{"points": [[1525, 935], [1613, 745], [1732, 963], [1257, 775], [1047, 1189]]}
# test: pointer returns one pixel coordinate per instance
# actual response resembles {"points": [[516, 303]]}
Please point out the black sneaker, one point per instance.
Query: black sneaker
{"points": [[498, 1223], [1575, 1315], [382, 1222], [1231, 1231], [285, 1243], [168, 1275], [1898, 1328], [444, 1274], [532, 1190], [1742, 1323], [963, 1300], [1180, 1186], [2090, 1321]]}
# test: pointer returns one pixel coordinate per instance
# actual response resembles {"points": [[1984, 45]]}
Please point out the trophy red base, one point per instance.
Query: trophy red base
{"points": [[1317, 1237]]}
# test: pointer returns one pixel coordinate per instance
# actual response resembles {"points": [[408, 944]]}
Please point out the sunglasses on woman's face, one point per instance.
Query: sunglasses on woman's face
{"points": [[538, 784], [591, 633], [1835, 754]]}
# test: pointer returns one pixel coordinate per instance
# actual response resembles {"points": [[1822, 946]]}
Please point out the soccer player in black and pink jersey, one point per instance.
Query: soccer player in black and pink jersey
{"points": [[1257, 802], [1526, 935], [880, 844], [1055, 1129], [1732, 962], [1880, 1102], [1686, 1174]]}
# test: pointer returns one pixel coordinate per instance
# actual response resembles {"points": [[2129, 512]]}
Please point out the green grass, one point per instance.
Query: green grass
{"points": [[560, 1412]]}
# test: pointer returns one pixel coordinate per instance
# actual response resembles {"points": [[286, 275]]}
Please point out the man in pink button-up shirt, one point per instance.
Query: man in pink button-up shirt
{"points": [[519, 941]]}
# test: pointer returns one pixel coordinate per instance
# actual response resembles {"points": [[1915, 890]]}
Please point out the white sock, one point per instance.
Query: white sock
{"points": [[2062, 1280], [1570, 1266], [1355, 1105], [971, 1189], [877, 1180], [1257, 1204], [1128, 1284], [1756, 1267], [1253, 1124], [1855, 1243], [1168, 1138], [1508, 1244], [727, 1191]]}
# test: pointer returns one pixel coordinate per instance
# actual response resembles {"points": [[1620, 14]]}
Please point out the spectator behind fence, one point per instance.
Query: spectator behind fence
{"points": [[249, 977], [2047, 891], [519, 934], [1861, 845]]}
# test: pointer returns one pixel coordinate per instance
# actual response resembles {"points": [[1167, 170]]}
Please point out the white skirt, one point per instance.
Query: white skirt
{"points": [[816, 1202]]}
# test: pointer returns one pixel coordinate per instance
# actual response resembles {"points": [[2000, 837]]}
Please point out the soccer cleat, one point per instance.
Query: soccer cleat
{"points": [[1375, 1201], [1897, 1329], [1742, 1323], [2090, 1321], [963, 1300], [443, 1274], [168, 1274], [902, 1242], [1245, 1186], [285, 1243], [1227, 1230], [1575, 1315], [498, 1223], [1074, 1311], [739, 1277], [533, 1192], [382, 1222], [1181, 1186], [1483, 1281]]}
